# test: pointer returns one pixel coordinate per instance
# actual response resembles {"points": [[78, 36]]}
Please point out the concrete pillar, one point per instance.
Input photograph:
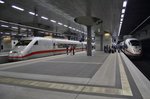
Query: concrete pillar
{"points": [[89, 39], [99, 43], [0, 41]]}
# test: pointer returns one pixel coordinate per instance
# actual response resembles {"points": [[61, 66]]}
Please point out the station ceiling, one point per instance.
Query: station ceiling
{"points": [[64, 11]]}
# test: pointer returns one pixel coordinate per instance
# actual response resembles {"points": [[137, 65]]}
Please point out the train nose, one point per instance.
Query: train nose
{"points": [[15, 55]]}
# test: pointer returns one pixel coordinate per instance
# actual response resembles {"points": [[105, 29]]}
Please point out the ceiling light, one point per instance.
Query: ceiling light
{"points": [[13, 34], [107, 34], [7, 33], [122, 15], [2, 1], [77, 30], [4, 25], [73, 28], [23, 29], [124, 3], [70, 27], [25, 35], [32, 13], [53, 21], [121, 20], [123, 10], [14, 27], [60, 23], [65, 26], [45, 18], [18, 8]]}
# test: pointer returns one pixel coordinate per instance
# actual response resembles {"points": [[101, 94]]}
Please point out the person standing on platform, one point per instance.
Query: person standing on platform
{"points": [[67, 49], [70, 49], [73, 49]]}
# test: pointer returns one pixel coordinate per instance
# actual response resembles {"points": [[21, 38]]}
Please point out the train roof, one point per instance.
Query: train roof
{"points": [[53, 39], [132, 39]]}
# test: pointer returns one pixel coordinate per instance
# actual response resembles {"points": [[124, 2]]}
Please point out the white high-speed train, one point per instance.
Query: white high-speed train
{"points": [[33, 47], [132, 47]]}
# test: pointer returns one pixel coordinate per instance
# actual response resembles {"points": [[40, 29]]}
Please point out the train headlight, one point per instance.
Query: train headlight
{"points": [[10, 52]]}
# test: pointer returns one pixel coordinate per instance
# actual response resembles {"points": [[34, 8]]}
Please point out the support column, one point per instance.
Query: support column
{"points": [[0, 41], [101, 42], [89, 39]]}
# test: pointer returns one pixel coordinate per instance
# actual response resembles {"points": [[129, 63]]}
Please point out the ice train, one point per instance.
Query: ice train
{"points": [[132, 47], [34, 47]]}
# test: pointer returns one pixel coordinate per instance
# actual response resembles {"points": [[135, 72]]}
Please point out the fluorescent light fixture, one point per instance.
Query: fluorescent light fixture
{"points": [[70, 27], [23, 29], [107, 34], [42, 32], [43, 17], [125, 3], [65, 26], [53, 21], [2, 1], [123, 10], [73, 28], [13, 34], [18, 8], [32, 13], [60, 23], [77, 30], [4, 26], [14, 27], [7, 33], [122, 15], [121, 20]]}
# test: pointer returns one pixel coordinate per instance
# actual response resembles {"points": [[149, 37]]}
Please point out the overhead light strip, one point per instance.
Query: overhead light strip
{"points": [[60, 23], [2, 1], [53, 21], [43, 17], [122, 15], [123, 11], [32, 13], [18, 8], [14, 27], [65, 26], [125, 3], [4, 26]]}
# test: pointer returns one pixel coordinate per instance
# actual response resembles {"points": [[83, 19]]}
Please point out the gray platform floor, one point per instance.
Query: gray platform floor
{"points": [[101, 76]]}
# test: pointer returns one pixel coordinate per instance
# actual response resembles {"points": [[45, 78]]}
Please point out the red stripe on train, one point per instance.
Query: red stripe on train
{"points": [[41, 52]]}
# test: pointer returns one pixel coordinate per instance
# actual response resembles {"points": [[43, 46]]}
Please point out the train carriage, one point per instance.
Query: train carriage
{"points": [[34, 47]]}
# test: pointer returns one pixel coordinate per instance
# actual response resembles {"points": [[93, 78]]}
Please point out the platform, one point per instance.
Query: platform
{"points": [[101, 76]]}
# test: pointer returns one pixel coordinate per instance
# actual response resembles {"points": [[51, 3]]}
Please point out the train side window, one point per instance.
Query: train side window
{"points": [[129, 43], [36, 43]]}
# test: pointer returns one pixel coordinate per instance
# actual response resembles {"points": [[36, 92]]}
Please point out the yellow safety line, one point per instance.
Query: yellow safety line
{"points": [[125, 91]]}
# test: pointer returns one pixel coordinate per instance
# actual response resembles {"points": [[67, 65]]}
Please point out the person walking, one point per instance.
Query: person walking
{"points": [[73, 49]]}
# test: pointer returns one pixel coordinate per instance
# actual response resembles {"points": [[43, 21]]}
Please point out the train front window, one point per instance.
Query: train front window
{"points": [[135, 43], [23, 42]]}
